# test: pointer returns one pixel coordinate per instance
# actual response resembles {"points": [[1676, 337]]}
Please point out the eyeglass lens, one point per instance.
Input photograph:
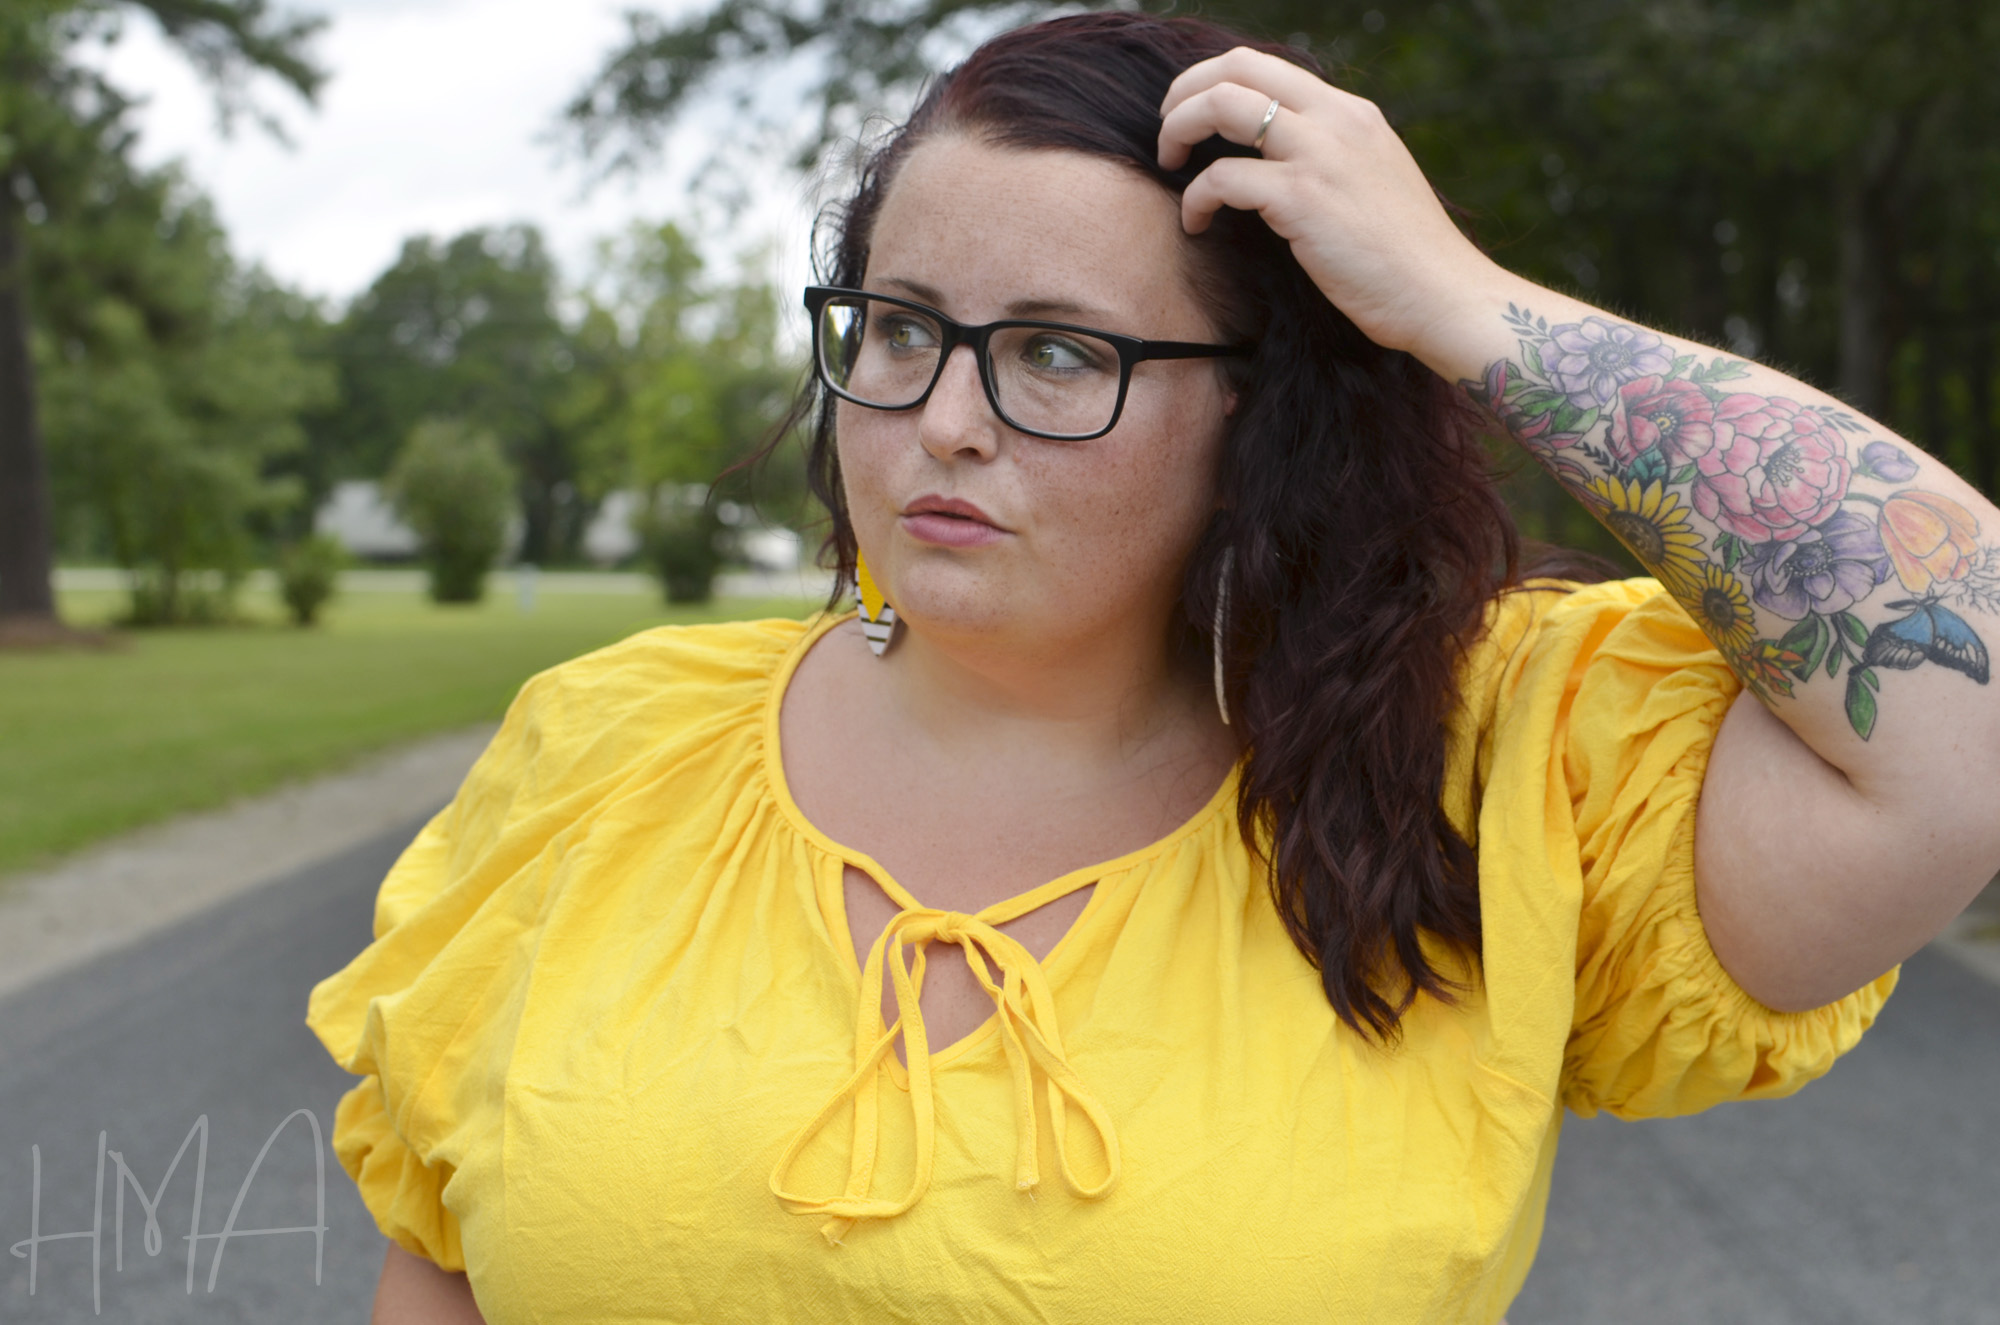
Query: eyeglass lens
{"points": [[1046, 381]]}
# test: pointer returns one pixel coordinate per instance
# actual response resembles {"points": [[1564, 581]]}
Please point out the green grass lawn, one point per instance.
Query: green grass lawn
{"points": [[93, 743]]}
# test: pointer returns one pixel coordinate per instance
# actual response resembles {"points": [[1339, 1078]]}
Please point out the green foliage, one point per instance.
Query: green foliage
{"points": [[464, 328], [308, 573], [1810, 640], [61, 121], [1861, 706], [683, 545], [453, 486], [169, 386], [65, 161], [1732, 549], [876, 50], [678, 378]]}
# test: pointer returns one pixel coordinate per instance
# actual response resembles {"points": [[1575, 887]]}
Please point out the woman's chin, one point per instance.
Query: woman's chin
{"points": [[946, 603]]}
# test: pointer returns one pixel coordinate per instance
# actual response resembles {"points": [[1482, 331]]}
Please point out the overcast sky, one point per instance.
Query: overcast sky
{"points": [[428, 123]]}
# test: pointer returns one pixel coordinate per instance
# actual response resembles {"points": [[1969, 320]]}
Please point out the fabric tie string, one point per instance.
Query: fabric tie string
{"points": [[1028, 1033]]}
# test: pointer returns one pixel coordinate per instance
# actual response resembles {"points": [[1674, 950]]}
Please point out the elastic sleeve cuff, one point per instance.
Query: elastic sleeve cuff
{"points": [[404, 1194], [1685, 1035]]}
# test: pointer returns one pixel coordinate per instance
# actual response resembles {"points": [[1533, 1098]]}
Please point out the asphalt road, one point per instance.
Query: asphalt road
{"points": [[1872, 1196]]}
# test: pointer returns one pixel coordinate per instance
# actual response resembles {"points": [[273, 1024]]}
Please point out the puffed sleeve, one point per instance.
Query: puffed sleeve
{"points": [[421, 1014], [1659, 1027]]}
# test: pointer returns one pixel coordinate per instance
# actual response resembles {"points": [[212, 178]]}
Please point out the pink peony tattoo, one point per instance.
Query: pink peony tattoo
{"points": [[1776, 469]]}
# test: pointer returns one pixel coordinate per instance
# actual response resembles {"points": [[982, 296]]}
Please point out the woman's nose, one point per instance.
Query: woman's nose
{"points": [[958, 417]]}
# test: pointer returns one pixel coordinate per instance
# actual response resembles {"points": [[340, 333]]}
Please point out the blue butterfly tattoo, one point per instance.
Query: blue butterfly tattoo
{"points": [[1930, 633]]}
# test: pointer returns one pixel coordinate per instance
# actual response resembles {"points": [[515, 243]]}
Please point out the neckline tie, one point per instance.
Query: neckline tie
{"points": [[1028, 1033]]}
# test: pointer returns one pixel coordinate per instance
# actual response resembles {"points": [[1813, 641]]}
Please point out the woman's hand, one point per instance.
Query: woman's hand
{"points": [[1338, 184]]}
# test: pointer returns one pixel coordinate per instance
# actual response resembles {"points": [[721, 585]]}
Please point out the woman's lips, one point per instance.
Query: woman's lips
{"points": [[950, 530]]}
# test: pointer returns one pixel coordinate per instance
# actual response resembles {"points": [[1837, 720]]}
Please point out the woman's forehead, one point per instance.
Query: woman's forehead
{"points": [[987, 231]]}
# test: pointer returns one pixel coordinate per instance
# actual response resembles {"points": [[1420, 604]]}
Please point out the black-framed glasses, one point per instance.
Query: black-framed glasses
{"points": [[1046, 379]]}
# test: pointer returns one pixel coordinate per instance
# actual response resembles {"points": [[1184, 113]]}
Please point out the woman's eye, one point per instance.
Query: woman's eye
{"points": [[909, 334], [1059, 354]]}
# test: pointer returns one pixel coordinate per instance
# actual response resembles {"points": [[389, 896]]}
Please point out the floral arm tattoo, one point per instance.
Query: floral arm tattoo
{"points": [[1736, 500]]}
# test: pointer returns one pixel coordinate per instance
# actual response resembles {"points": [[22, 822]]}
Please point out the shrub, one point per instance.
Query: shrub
{"points": [[161, 597], [307, 573], [682, 545], [453, 486]]}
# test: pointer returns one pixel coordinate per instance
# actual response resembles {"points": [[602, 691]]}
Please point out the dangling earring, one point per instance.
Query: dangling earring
{"points": [[1221, 627], [878, 619]]}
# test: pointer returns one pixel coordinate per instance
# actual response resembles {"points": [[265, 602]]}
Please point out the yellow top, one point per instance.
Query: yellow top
{"points": [[619, 1064]]}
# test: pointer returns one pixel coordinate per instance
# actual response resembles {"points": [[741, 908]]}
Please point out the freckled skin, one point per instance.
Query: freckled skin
{"points": [[1101, 528], [1031, 686]]}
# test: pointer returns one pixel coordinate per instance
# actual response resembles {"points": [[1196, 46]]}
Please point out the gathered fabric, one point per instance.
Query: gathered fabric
{"points": [[619, 1058]]}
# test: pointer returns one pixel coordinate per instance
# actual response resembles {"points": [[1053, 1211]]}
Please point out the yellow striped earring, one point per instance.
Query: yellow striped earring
{"points": [[878, 619]]}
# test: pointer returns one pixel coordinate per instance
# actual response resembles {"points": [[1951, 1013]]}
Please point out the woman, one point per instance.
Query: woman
{"points": [[1313, 858]]}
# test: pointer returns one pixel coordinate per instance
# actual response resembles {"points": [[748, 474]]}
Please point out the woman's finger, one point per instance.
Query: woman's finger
{"points": [[1242, 182], [1278, 78], [1230, 109]]}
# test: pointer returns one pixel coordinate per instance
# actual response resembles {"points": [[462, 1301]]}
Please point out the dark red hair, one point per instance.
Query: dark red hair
{"points": [[1368, 531]]}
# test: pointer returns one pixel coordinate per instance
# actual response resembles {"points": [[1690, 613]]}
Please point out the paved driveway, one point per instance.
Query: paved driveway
{"points": [[1872, 1196]]}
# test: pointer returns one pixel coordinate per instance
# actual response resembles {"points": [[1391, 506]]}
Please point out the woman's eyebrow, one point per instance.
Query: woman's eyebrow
{"points": [[1066, 308], [1059, 308], [915, 289]]}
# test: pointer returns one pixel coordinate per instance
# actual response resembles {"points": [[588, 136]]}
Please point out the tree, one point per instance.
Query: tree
{"points": [[454, 487], [60, 125], [171, 385], [466, 328], [677, 378], [1810, 181]]}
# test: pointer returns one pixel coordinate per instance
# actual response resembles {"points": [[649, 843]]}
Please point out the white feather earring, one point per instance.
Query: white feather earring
{"points": [[1221, 627]]}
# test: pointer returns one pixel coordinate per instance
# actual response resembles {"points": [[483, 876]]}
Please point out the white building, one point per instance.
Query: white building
{"points": [[367, 525], [356, 514]]}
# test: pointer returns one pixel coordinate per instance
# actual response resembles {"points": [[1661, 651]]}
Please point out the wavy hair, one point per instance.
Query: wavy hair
{"points": [[1369, 534]]}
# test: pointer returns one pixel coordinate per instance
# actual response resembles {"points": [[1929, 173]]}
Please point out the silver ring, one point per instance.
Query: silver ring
{"points": [[1270, 113]]}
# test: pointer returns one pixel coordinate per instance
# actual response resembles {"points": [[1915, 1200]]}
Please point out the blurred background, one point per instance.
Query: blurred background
{"points": [[292, 296], [360, 358]]}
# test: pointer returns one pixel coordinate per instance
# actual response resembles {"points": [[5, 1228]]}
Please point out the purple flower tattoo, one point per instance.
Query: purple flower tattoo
{"points": [[1588, 361], [1884, 461], [1827, 569]]}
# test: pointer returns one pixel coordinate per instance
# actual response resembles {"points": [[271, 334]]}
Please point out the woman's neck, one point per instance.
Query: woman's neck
{"points": [[1088, 705]]}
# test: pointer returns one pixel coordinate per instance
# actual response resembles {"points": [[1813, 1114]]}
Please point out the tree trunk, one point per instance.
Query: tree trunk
{"points": [[1705, 306], [1866, 207], [1766, 242], [26, 578], [1935, 432]]}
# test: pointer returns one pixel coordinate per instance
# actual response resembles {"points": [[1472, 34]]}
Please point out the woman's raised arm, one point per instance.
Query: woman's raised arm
{"points": [[1851, 807]]}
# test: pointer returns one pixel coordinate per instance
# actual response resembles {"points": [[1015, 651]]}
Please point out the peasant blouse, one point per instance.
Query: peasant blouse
{"points": [[618, 1063]]}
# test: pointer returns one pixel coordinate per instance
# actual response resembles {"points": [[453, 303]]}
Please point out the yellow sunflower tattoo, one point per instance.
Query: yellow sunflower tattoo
{"points": [[1721, 606], [1654, 524]]}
